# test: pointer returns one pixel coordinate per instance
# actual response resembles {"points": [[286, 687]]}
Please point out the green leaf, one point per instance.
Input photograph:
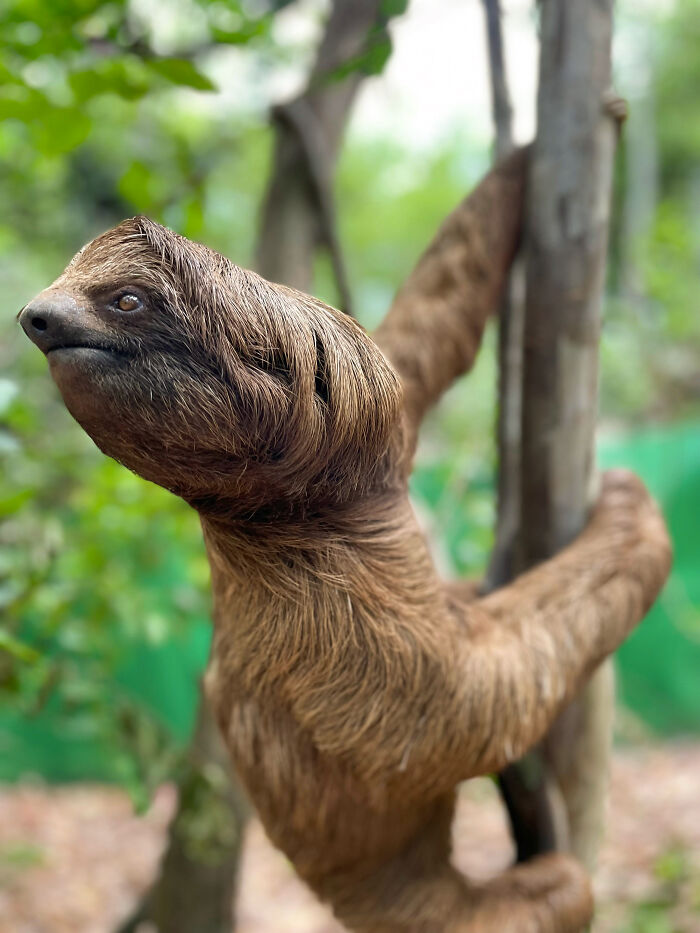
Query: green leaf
{"points": [[127, 78], [18, 649], [22, 103], [55, 129], [7, 76], [135, 183], [182, 72], [61, 130], [369, 62], [391, 8], [11, 503], [194, 216], [144, 188], [376, 56], [248, 31]]}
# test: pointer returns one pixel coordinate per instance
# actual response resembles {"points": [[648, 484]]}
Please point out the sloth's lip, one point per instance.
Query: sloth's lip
{"points": [[95, 348]]}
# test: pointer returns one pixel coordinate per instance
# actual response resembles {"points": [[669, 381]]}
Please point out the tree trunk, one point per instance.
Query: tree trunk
{"points": [[510, 333], [555, 796], [501, 106], [196, 885], [566, 243], [535, 806], [298, 213]]}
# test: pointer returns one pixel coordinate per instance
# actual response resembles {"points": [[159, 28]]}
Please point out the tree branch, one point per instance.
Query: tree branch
{"points": [[299, 210]]}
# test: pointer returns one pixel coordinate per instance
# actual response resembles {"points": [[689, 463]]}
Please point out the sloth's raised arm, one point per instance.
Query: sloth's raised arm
{"points": [[433, 329], [530, 645]]}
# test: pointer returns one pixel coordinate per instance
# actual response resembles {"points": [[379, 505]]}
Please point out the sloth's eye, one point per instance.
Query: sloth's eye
{"points": [[129, 302]]}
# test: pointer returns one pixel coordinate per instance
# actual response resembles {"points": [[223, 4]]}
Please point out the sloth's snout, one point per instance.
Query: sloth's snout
{"points": [[52, 320]]}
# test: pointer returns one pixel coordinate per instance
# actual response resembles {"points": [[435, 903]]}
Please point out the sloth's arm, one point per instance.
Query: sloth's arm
{"points": [[433, 330], [529, 646]]}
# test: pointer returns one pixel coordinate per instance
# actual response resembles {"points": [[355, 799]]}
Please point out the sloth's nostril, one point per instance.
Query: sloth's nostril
{"points": [[39, 323]]}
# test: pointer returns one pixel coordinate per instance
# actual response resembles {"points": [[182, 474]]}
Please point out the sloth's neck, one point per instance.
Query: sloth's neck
{"points": [[280, 555], [329, 609], [294, 590]]}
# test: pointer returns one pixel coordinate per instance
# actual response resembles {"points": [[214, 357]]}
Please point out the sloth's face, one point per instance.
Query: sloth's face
{"points": [[205, 378]]}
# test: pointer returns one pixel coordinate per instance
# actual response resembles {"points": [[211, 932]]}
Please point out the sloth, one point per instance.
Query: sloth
{"points": [[353, 687]]}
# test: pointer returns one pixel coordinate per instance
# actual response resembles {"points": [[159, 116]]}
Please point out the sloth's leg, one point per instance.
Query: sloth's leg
{"points": [[418, 891], [521, 653], [548, 894], [434, 327]]}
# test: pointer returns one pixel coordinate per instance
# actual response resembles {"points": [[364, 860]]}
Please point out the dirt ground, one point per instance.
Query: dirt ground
{"points": [[74, 859]]}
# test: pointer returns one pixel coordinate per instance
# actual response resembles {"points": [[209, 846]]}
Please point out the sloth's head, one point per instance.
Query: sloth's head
{"points": [[201, 376]]}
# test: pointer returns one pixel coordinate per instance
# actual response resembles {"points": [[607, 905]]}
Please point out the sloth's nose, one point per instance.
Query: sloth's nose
{"points": [[51, 320]]}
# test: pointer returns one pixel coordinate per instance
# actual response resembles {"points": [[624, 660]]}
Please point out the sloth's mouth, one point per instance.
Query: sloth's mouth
{"points": [[84, 361], [82, 349], [80, 346]]}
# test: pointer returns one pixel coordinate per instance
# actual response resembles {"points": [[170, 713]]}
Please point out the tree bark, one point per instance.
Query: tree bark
{"points": [[566, 243], [298, 213], [535, 806], [510, 329], [501, 106], [196, 885]]}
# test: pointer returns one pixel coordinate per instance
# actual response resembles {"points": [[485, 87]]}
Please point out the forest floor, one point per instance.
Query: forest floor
{"points": [[74, 859]]}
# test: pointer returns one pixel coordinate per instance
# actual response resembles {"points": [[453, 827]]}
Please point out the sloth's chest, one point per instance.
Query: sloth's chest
{"points": [[313, 806]]}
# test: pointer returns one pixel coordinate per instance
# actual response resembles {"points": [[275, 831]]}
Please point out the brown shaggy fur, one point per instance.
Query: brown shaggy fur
{"points": [[354, 688]]}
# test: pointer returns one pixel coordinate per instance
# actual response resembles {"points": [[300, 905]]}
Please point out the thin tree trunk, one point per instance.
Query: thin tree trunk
{"points": [[535, 805], [510, 328], [566, 244], [198, 878], [501, 106], [196, 885]]}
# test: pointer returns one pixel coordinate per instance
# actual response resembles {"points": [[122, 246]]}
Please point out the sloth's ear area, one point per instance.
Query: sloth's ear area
{"points": [[200, 271], [150, 229], [160, 238], [172, 249], [357, 388]]}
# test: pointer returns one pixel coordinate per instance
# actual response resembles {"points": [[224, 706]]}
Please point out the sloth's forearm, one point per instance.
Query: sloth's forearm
{"points": [[544, 634], [434, 327]]}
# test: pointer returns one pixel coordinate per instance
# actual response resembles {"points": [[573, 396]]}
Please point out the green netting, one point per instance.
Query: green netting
{"points": [[163, 678], [659, 665]]}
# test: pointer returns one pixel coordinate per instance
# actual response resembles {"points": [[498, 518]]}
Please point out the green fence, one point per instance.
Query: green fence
{"points": [[659, 665]]}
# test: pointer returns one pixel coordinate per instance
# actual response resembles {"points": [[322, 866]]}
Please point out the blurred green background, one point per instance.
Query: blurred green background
{"points": [[108, 109]]}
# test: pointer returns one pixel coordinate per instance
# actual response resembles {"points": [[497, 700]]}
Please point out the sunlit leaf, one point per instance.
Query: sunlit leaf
{"points": [[391, 8], [182, 72], [241, 36], [61, 130], [128, 78]]}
